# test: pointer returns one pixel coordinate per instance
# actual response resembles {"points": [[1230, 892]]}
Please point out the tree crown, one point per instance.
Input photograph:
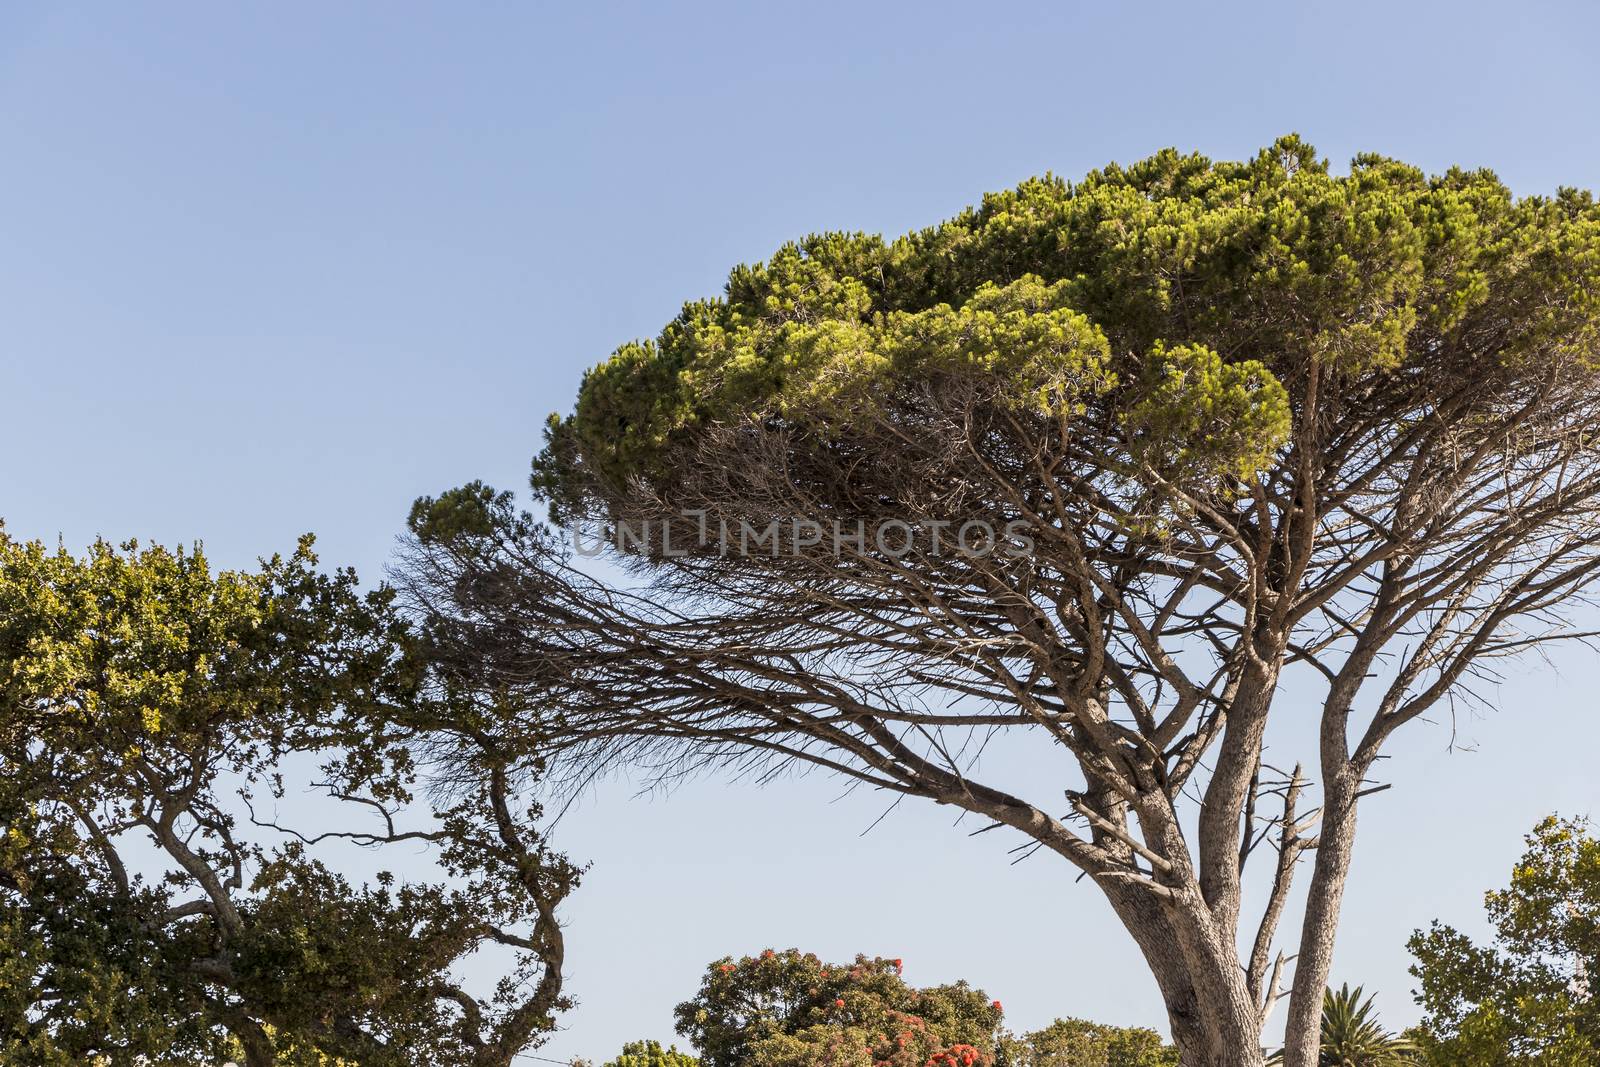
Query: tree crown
{"points": [[151, 711], [1169, 305]]}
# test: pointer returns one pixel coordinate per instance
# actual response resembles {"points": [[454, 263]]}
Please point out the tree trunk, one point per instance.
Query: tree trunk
{"points": [[1335, 846], [1211, 1016]]}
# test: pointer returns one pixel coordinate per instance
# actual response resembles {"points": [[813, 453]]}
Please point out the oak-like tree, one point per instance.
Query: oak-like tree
{"points": [[1527, 999], [152, 907], [1099, 463]]}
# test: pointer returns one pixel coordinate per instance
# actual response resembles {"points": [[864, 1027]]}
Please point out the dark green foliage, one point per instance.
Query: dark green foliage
{"points": [[1352, 1035]]}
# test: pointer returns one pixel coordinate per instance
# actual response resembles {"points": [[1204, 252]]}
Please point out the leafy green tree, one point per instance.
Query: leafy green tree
{"points": [[1081, 1043], [151, 711], [651, 1054], [789, 1009], [1526, 998], [1092, 463]]}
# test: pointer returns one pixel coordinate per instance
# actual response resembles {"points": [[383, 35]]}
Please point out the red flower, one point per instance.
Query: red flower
{"points": [[767, 955], [839, 1002], [726, 967], [997, 1007]]}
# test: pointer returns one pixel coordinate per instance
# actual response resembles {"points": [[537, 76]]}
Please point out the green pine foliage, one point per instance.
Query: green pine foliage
{"points": [[1167, 300]]}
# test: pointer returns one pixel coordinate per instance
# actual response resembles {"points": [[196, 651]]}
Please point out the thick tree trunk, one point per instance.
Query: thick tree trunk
{"points": [[1325, 895], [1209, 1010], [1229, 1017]]}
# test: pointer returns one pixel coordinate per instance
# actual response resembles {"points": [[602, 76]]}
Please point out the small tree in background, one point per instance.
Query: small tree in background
{"points": [[1081, 1043], [1527, 998], [788, 1009], [651, 1054]]}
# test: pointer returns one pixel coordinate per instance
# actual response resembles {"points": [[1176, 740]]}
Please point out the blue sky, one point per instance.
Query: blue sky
{"points": [[275, 268]]}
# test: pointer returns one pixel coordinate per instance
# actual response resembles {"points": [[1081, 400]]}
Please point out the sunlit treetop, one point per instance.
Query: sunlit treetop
{"points": [[1161, 307]]}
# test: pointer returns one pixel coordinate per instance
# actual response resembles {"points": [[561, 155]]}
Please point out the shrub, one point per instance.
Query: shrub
{"points": [[1081, 1043]]}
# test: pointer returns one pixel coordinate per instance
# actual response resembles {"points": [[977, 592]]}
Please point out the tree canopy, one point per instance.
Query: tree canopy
{"points": [[651, 1054], [1081, 1043], [1525, 998], [1169, 305], [153, 910], [1206, 423], [790, 1009]]}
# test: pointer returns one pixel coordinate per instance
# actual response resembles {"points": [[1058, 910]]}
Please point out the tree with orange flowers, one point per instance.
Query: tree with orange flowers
{"points": [[789, 1009]]}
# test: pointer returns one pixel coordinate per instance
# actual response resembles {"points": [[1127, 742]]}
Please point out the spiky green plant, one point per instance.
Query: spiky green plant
{"points": [[1352, 1035]]}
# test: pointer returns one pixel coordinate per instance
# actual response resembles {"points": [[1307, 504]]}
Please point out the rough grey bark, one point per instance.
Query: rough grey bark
{"points": [[1314, 966]]}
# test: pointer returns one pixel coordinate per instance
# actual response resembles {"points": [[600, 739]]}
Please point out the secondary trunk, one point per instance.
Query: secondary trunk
{"points": [[1325, 896]]}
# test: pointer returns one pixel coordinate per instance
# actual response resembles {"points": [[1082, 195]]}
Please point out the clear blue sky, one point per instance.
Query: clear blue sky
{"points": [[268, 268]]}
